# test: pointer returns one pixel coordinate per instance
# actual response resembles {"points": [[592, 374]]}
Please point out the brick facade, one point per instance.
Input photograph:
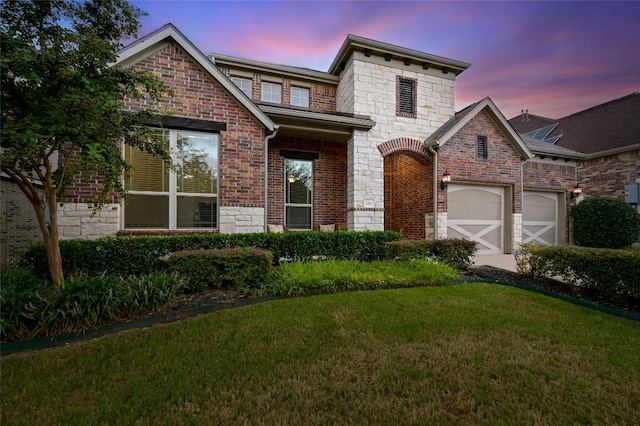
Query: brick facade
{"points": [[501, 167], [241, 155], [607, 175], [408, 190], [19, 225], [329, 180]]}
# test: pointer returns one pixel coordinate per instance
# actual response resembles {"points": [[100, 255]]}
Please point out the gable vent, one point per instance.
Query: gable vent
{"points": [[406, 97], [481, 147]]}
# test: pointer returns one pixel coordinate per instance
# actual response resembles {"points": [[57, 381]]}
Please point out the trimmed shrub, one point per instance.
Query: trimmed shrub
{"points": [[239, 269], [608, 273], [142, 254], [605, 222], [457, 253]]}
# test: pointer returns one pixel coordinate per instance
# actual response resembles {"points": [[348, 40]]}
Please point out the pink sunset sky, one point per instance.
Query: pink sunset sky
{"points": [[552, 58]]}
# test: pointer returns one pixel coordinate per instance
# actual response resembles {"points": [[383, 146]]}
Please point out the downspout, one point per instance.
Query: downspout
{"points": [[435, 192], [266, 173]]}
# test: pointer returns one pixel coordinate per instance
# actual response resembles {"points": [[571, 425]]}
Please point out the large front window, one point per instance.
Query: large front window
{"points": [[299, 194], [185, 197]]}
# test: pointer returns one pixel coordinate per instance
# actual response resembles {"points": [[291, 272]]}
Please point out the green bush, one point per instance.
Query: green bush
{"points": [[37, 309], [607, 273], [19, 301], [239, 269], [142, 254], [605, 222], [457, 253]]}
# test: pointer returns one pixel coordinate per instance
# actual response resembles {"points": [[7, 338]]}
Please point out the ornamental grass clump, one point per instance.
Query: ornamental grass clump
{"points": [[31, 308]]}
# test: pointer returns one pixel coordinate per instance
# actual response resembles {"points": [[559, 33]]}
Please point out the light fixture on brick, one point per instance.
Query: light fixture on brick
{"points": [[446, 178], [576, 191]]}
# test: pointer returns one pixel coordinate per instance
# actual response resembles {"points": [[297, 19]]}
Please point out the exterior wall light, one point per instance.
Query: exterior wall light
{"points": [[446, 178], [576, 191], [292, 178]]}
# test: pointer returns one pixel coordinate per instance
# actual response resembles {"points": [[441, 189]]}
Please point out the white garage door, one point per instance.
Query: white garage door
{"points": [[476, 213], [540, 217]]}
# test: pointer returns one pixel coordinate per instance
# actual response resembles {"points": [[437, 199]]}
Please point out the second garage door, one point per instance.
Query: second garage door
{"points": [[540, 217], [476, 213]]}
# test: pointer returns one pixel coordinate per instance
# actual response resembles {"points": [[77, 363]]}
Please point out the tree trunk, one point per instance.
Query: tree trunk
{"points": [[50, 236]]}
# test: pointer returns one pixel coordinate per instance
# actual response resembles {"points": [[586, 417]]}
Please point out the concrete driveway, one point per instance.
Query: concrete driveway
{"points": [[502, 261]]}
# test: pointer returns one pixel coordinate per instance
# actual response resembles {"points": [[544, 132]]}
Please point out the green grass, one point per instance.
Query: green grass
{"points": [[467, 354], [300, 278]]}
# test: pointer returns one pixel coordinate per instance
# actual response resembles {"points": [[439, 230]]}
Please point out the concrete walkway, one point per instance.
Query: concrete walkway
{"points": [[502, 261]]}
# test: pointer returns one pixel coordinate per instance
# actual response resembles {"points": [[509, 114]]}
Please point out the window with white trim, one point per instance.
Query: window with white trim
{"points": [[185, 197], [271, 92], [243, 84], [298, 194], [300, 96]]}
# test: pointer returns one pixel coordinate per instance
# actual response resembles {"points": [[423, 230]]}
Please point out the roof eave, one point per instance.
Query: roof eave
{"points": [[352, 42], [170, 32]]}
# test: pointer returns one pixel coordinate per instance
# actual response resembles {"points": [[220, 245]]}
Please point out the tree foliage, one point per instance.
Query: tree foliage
{"points": [[62, 102], [605, 222]]}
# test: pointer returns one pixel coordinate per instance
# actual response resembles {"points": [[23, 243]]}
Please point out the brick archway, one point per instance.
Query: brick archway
{"points": [[408, 186], [402, 144]]}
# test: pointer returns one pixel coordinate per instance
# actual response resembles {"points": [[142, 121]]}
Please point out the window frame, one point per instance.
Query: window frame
{"points": [[172, 192], [272, 85], [402, 98], [287, 195], [303, 90], [236, 79]]}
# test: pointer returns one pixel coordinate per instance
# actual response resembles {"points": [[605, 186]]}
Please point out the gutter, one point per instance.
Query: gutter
{"points": [[435, 190], [266, 173]]}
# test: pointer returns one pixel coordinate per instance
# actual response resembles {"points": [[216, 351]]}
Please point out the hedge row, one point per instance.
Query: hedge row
{"points": [[240, 269], [457, 253], [605, 272], [142, 254]]}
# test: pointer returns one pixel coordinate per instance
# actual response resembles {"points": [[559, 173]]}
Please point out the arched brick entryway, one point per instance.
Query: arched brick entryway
{"points": [[408, 186]]}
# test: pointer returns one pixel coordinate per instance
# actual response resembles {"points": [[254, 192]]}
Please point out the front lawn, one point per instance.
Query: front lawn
{"points": [[466, 354]]}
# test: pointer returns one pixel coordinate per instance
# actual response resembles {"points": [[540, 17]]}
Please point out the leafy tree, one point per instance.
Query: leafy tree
{"points": [[605, 222], [62, 103]]}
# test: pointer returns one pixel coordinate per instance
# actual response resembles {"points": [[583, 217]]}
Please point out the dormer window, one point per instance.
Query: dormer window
{"points": [[243, 84], [300, 96], [406, 97], [271, 92]]}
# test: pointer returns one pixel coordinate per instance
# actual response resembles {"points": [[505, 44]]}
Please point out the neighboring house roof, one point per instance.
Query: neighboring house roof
{"points": [[609, 126], [461, 118], [527, 122], [149, 44], [355, 43], [601, 130]]}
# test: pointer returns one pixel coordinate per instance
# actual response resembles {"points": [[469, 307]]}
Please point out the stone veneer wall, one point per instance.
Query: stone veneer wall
{"points": [[18, 223], [77, 220], [369, 88]]}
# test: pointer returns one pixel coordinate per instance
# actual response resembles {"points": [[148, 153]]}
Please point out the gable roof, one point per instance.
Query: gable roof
{"points": [[150, 43], [603, 129], [461, 118], [356, 43], [609, 126]]}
